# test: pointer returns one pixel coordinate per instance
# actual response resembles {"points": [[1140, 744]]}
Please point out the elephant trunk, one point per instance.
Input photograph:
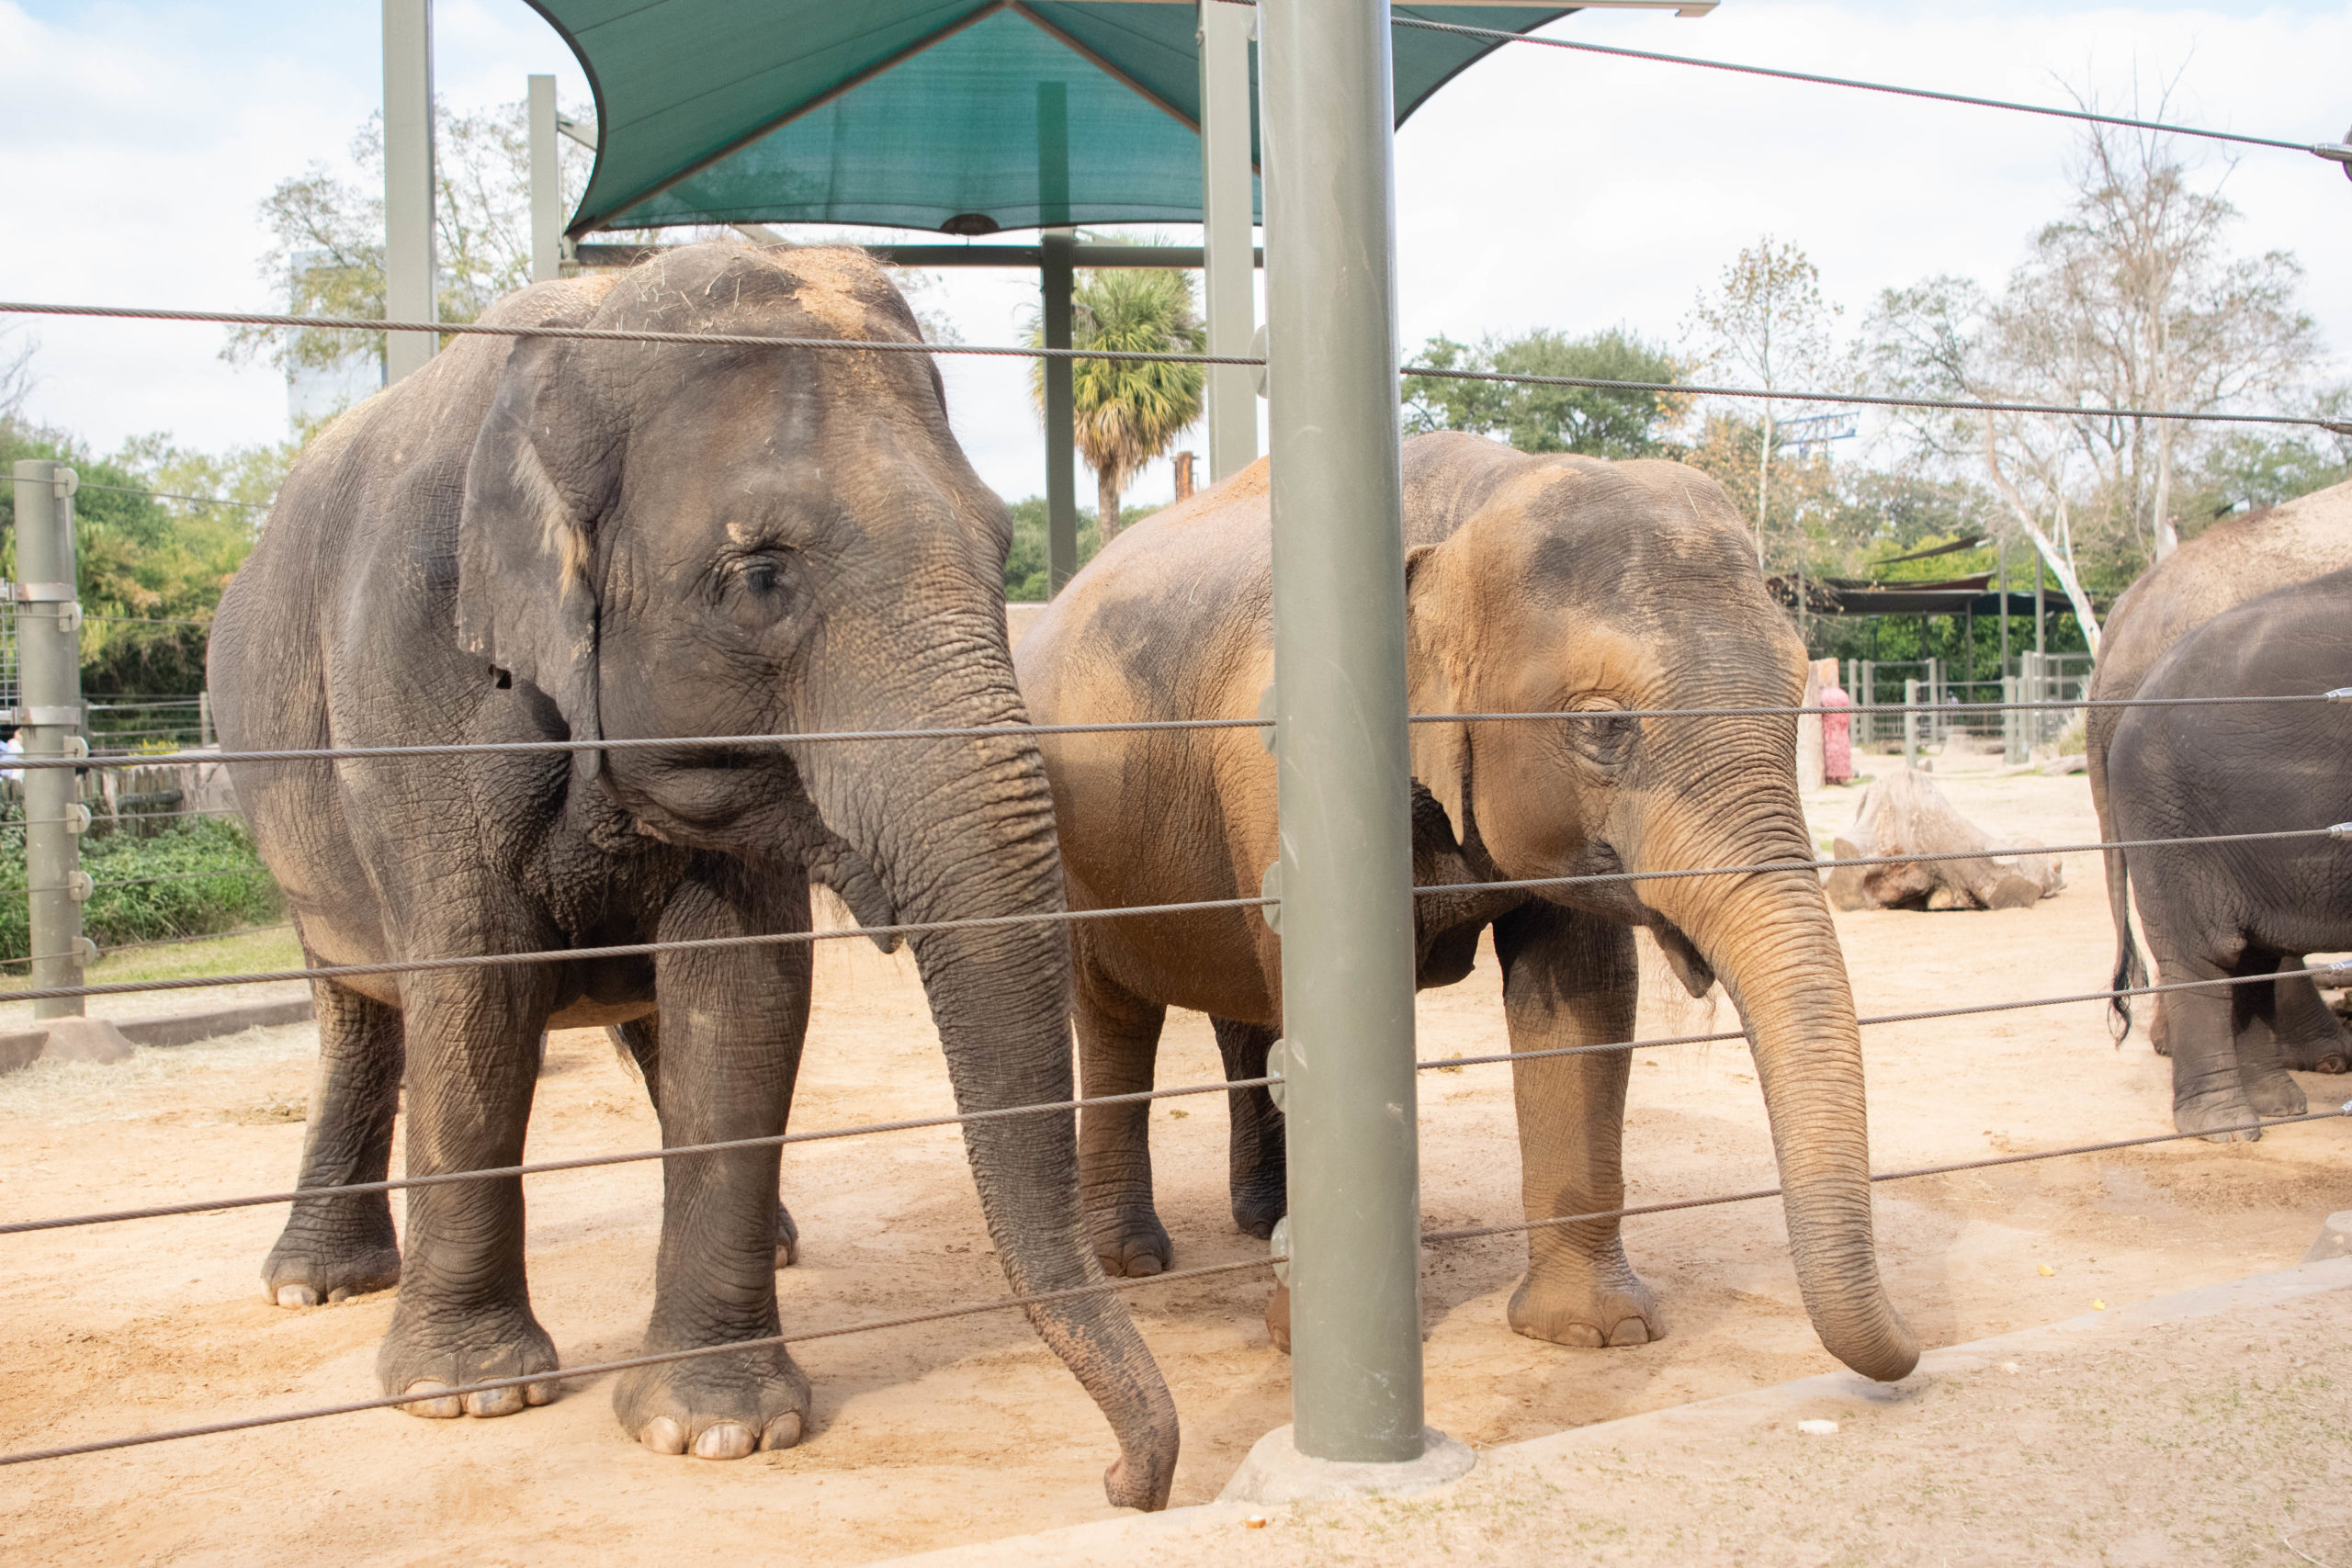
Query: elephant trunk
{"points": [[1768, 938], [968, 833]]}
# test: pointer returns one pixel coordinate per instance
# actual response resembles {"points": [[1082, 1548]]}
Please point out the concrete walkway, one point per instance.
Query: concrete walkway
{"points": [[2212, 1427]]}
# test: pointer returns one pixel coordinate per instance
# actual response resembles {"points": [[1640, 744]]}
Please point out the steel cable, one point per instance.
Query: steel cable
{"points": [[764, 939], [1444, 1063], [750, 340], [2333, 152], [1044, 1298], [1943, 711]]}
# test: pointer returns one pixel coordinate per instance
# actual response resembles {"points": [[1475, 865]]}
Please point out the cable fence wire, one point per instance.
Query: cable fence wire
{"points": [[1046, 1298], [2330, 151], [956, 1119], [2341, 831], [2340, 694], [752, 340]]}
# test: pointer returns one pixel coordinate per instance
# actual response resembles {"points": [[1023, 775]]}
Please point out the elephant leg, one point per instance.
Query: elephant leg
{"points": [[1118, 1046], [732, 1022], [464, 1313], [335, 1247], [1254, 1150], [2209, 1084], [2262, 1068], [641, 1038], [1570, 979], [2310, 1038]]}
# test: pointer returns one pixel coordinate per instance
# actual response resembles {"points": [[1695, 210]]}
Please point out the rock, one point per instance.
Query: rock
{"points": [[1906, 814], [21, 1048], [2334, 1238], [2074, 763]]}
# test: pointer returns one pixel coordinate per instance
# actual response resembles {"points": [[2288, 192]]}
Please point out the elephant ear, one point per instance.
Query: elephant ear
{"points": [[1435, 682], [526, 545]]}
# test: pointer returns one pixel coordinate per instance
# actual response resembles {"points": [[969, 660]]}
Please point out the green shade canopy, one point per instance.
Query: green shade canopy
{"points": [[963, 116]]}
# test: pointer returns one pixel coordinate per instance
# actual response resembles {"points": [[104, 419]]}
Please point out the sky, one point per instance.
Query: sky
{"points": [[1540, 188]]}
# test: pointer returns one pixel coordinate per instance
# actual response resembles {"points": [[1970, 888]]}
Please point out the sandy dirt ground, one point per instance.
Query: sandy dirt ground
{"points": [[930, 1437]]}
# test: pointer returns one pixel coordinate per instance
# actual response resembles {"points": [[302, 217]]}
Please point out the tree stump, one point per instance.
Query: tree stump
{"points": [[1904, 814]]}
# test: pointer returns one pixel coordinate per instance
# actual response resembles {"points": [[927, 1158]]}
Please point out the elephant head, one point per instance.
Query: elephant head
{"points": [[685, 540], [1594, 590]]}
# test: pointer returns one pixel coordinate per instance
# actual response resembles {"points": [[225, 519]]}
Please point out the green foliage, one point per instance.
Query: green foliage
{"points": [[1025, 567], [149, 570], [1128, 411], [149, 910], [1548, 419], [2247, 471]]}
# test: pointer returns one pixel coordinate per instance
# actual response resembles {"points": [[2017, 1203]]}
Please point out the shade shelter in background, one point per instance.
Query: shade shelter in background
{"points": [[969, 118]]}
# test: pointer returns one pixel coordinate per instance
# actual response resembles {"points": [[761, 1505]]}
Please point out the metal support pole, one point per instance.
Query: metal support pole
{"points": [[1869, 695], [1057, 278], [2004, 606], [1342, 760], [2013, 750], [2040, 618], [546, 183], [1228, 282], [1910, 724], [49, 666], [409, 293]]}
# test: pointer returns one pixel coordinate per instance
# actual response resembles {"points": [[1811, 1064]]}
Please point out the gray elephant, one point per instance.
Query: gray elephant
{"points": [[536, 540], [2236, 909], [2224, 567], [1550, 584]]}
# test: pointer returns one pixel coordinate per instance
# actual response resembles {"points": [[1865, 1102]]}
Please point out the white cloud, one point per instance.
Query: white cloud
{"points": [[1541, 187]]}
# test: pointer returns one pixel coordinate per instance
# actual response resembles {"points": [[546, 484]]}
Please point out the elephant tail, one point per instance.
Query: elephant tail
{"points": [[2127, 970]]}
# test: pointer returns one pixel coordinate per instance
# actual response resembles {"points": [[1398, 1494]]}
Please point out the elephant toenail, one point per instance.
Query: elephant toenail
{"points": [[495, 1402], [784, 1432], [1633, 1331], [1144, 1267], [728, 1439], [664, 1436], [538, 1393], [297, 1297], [448, 1408]]}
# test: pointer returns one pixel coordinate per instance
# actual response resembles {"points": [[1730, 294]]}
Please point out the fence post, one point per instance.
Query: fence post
{"points": [[1910, 724], [1867, 694], [1342, 761], [2012, 722], [48, 661]]}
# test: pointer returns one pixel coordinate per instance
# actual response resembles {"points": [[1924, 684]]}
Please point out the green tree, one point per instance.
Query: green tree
{"points": [[1128, 412], [1595, 420]]}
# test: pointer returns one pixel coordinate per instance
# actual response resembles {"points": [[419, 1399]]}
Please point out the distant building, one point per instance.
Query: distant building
{"points": [[315, 392]]}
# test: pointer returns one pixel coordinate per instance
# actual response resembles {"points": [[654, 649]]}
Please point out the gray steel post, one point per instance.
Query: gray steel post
{"points": [[546, 183], [1867, 696], [410, 294], [2012, 721], [2041, 619], [1342, 761], [49, 685], [1229, 281], [1056, 277], [1910, 724]]}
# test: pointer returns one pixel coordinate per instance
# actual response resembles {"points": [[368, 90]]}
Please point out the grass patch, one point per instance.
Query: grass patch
{"points": [[194, 877]]}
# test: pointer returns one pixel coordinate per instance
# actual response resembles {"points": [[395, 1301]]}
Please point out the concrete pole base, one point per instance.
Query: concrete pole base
{"points": [[81, 1040], [2334, 1238], [1276, 1471]]}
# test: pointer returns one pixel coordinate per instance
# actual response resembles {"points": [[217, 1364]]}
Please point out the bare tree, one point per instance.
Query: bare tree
{"points": [[1766, 322], [2130, 300], [15, 376]]}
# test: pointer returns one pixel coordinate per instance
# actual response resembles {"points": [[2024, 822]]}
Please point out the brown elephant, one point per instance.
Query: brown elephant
{"points": [[2219, 570], [1535, 584]]}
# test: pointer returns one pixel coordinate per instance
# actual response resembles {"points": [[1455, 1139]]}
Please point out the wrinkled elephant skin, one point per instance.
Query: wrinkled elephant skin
{"points": [[1551, 584], [537, 540]]}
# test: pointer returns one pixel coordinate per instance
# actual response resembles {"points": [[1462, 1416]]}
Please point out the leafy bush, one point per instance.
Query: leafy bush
{"points": [[218, 883]]}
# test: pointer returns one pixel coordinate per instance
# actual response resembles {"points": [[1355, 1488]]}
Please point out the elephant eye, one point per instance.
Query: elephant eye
{"points": [[760, 578], [1598, 732]]}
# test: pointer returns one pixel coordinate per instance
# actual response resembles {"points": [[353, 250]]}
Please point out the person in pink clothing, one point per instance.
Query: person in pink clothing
{"points": [[1837, 736]]}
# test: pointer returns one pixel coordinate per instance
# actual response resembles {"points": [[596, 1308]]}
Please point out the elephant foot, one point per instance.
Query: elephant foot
{"points": [[1585, 1313], [2275, 1094], [716, 1406], [2220, 1118], [1133, 1245], [1256, 1214], [331, 1258], [788, 1238], [428, 1355], [2329, 1058]]}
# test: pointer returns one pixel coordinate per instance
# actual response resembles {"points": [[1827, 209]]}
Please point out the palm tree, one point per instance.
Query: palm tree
{"points": [[1128, 412]]}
